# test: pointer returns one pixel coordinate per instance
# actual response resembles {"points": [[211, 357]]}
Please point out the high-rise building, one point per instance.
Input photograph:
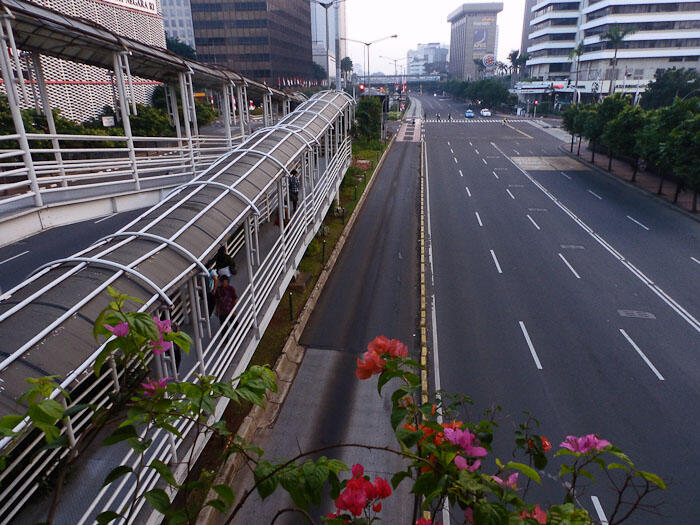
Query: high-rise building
{"points": [[433, 55], [336, 26], [267, 40], [177, 19], [473, 37], [80, 91], [527, 16], [662, 35]]}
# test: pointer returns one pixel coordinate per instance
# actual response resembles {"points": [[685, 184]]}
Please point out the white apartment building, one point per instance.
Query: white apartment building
{"points": [[432, 53], [666, 34]]}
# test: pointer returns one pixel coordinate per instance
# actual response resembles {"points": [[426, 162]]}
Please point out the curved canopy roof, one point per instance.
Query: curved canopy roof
{"points": [[46, 322]]}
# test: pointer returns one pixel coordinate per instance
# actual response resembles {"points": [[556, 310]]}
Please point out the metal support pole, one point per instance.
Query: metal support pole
{"points": [[227, 115], [251, 274], [15, 56], [338, 58], [280, 208], [196, 327], [187, 116], [267, 109], [241, 95], [114, 374], [193, 108], [48, 113], [126, 123], [171, 101], [69, 425], [17, 114], [206, 316]]}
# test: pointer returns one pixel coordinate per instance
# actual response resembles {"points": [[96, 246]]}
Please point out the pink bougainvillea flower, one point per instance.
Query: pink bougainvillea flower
{"points": [[119, 329], [151, 386], [372, 365], [425, 521], [164, 326], [383, 345], [357, 471], [584, 444], [377, 507], [510, 482], [466, 441], [469, 515], [537, 513], [161, 346], [463, 464]]}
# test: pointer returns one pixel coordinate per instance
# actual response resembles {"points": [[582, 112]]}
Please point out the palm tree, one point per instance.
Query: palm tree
{"points": [[615, 35], [480, 67], [576, 54], [513, 59], [522, 61]]}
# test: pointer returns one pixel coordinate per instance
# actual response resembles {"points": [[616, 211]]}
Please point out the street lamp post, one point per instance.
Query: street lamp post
{"points": [[367, 44], [325, 6]]}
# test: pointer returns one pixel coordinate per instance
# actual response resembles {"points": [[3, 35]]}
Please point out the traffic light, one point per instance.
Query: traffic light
{"points": [[362, 87], [537, 102]]}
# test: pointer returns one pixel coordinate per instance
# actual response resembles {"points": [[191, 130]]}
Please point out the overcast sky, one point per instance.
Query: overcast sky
{"points": [[417, 21]]}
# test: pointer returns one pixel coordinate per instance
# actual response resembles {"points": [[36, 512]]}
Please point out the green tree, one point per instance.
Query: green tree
{"points": [[620, 132], [178, 47], [668, 85], [684, 149], [608, 110], [569, 121], [346, 65], [368, 119], [151, 122], [614, 37], [490, 91], [318, 72]]}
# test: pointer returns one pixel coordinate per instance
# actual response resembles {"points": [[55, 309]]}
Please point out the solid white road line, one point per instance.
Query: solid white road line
{"points": [[516, 152], [455, 160], [104, 218], [670, 301], [565, 175], [470, 143], [468, 192], [495, 174], [599, 510], [452, 151], [495, 261], [637, 222], [448, 143], [595, 195], [461, 174], [570, 267], [14, 257], [485, 161], [511, 195], [533, 221], [695, 260], [477, 151], [478, 218], [641, 354], [529, 344]]}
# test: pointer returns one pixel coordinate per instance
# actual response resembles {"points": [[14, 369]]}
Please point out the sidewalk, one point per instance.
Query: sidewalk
{"points": [[645, 180]]}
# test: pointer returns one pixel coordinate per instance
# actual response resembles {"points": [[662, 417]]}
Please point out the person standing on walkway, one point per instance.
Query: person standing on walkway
{"points": [[223, 263], [226, 298], [294, 189]]}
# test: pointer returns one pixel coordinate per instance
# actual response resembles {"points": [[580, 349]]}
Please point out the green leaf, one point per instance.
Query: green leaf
{"points": [[101, 358], [144, 325], [653, 478], [424, 484], [120, 434], [158, 499], [117, 473], [59, 442], [217, 504], [408, 437], [177, 517], [612, 466], [164, 472], [46, 411], [525, 469], [225, 493], [490, 513], [75, 409], [7, 423], [397, 416], [269, 485], [398, 478], [107, 516], [139, 445]]}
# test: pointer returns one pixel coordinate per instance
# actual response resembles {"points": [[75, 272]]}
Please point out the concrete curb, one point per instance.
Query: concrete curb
{"points": [[628, 184], [287, 364]]}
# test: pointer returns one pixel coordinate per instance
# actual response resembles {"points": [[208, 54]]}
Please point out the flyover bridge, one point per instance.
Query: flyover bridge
{"points": [[239, 201], [49, 179]]}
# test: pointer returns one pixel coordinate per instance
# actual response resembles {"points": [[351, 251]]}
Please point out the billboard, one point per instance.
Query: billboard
{"points": [[480, 38], [146, 6]]}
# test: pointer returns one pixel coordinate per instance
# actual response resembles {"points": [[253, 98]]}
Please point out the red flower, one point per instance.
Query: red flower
{"points": [[383, 488], [372, 365], [393, 347], [357, 471], [377, 507], [546, 445], [538, 514]]}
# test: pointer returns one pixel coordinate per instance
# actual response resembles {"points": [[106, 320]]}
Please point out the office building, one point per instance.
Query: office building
{"points": [[474, 36], [267, 40], [527, 16], [177, 20], [664, 35], [336, 26], [80, 91], [432, 55]]}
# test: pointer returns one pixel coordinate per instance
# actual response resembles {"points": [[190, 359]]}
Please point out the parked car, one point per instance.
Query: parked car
{"points": [[469, 114], [485, 112]]}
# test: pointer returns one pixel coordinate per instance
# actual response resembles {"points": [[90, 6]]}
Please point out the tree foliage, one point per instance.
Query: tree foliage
{"points": [[669, 84], [178, 47], [368, 119]]}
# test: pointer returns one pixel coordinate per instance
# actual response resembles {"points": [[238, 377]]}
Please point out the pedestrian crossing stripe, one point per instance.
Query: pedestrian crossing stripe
{"points": [[471, 120]]}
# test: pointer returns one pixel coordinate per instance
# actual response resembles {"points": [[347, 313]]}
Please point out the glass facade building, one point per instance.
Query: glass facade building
{"points": [[177, 19], [268, 40]]}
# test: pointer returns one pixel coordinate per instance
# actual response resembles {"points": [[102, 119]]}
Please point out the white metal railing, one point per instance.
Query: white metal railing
{"points": [[101, 162]]}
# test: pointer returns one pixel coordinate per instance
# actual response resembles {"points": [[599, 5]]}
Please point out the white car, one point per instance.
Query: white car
{"points": [[485, 112]]}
